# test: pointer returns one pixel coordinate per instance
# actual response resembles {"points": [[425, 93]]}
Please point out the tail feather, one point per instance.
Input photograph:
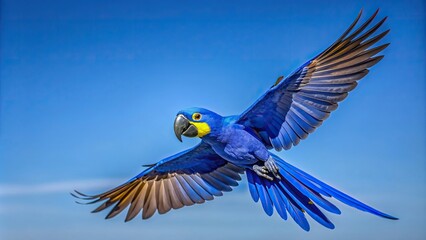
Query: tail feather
{"points": [[336, 193], [310, 193], [294, 210], [252, 186], [262, 188], [277, 200], [298, 192], [264, 196], [306, 204]]}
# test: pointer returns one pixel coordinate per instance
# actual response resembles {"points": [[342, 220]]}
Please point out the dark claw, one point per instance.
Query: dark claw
{"points": [[263, 172], [272, 167]]}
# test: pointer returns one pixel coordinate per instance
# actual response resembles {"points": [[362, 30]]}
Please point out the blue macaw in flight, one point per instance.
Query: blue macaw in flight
{"points": [[230, 146]]}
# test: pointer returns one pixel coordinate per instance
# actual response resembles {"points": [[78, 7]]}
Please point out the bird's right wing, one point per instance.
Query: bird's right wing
{"points": [[297, 105], [189, 177]]}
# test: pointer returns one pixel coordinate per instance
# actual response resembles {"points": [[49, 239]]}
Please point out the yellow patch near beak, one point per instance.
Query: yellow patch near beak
{"points": [[202, 127]]}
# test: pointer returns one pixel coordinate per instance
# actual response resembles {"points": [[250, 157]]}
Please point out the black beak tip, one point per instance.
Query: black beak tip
{"points": [[179, 138]]}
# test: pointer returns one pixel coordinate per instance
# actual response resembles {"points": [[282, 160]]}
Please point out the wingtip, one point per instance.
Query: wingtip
{"points": [[372, 16], [76, 194], [360, 12], [81, 195], [386, 45], [378, 58], [390, 217], [377, 11]]}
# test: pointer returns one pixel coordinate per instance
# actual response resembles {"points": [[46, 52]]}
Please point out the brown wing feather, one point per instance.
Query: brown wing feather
{"points": [[163, 193]]}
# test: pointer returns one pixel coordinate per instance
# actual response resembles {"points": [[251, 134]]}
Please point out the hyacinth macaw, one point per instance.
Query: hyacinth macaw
{"points": [[291, 109]]}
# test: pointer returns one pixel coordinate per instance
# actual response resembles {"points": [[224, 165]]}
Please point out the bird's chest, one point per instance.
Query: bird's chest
{"points": [[239, 147]]}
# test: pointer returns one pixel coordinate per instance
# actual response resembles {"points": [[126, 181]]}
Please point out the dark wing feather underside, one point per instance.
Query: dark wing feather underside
{"points": [[296, 106], [193, 176]]}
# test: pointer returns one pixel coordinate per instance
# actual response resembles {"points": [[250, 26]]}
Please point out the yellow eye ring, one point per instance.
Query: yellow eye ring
{"points": [[196, 116]]}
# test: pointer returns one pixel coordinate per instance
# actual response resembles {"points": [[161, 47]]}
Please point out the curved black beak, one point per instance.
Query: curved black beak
{"points": [[182, 126]]}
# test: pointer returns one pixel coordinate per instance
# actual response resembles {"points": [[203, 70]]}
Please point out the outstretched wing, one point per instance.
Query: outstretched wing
{"points": [[192, 176], [296, 106]]}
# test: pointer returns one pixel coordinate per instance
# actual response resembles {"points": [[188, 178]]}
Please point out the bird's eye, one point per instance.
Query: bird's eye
{"points": [[196, 116]]}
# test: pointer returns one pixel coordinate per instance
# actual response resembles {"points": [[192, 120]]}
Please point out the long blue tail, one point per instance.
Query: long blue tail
{"points": [[298, 192]]}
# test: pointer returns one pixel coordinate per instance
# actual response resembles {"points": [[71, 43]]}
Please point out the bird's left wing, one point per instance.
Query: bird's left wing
{"points": [[297, 105], [189, 177]]}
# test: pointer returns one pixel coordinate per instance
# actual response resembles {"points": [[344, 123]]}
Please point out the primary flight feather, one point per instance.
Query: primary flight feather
{"points": [[230, 146]]}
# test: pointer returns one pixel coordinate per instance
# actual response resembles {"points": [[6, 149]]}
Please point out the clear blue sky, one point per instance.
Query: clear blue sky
{"points": [[90, 89]]}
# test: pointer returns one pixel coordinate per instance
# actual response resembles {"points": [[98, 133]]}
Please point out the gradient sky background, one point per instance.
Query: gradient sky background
{"points": [[90, 89]]}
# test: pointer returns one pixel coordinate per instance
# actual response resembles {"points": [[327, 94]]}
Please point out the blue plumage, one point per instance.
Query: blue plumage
{"points": [[287, 113]]}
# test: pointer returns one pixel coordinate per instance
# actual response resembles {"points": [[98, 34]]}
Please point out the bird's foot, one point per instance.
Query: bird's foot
{"points": [[268, 170], [262, 171], [272, 167]]}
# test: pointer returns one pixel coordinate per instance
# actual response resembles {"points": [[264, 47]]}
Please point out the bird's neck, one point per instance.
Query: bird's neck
{"points": [[217, 133]]}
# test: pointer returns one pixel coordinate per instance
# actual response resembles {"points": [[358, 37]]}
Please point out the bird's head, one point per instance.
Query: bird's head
{"points": [[195, 122]]}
